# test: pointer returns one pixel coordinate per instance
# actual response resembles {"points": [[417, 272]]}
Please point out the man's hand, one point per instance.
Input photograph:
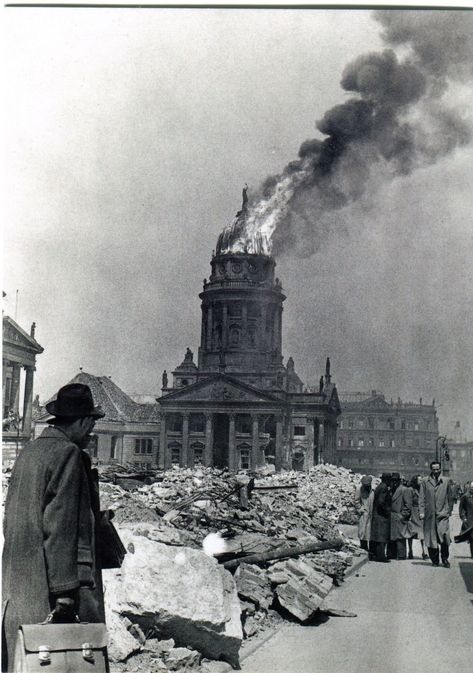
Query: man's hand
{"points": [[64, 610], [421, 517]]}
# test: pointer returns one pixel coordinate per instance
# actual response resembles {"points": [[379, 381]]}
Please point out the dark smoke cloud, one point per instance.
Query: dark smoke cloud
{"points": [[398, 120]]}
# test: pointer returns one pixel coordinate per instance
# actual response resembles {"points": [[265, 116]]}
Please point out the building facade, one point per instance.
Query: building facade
{"points": [[18, 366], [129, 432], [460, 451], [376, 436], [239, 406]]}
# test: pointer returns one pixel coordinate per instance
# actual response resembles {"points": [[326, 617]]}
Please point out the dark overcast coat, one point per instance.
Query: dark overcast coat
{"points": [[49, 528], [381, 518]]}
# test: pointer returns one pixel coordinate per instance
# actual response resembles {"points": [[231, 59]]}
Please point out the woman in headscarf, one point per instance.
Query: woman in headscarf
{"points": [[364, 505], [414, 527]]}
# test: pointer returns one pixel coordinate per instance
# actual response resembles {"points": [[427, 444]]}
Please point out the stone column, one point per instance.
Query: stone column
{"points": [[185, 440], [255, 450], [279, 446], [28, 401], [232, 458], [224, 326], [310, 443], [208, 458], [244, 323], [209, 328], [262, 340], [162, 462], [321, 442], [280, 329], [15, 388]]}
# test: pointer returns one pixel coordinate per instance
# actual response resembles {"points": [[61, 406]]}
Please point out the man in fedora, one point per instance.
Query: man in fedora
{"points": [[51, 512]]}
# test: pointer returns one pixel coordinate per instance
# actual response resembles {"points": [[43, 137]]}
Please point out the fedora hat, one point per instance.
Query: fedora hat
{"points": [[73, 401]]}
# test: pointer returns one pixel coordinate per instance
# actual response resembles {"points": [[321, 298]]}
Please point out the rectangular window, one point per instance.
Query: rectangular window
{"points": [[175, 423], [392, 444], [341, 425], [361, 441], [391, 424], [361, 423], [416, 425], [299, 430], [371, 423], [371, 441], [350, 422], [198, 456], [143, 445], [340, 441], [381, 441], [175, 456], [350, 442], [403, 425], [113, 448], [244, 459]]}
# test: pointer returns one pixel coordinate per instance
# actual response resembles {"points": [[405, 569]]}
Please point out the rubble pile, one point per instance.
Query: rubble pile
{"points": [[165, 525]]}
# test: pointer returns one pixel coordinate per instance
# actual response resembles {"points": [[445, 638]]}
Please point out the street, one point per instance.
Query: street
{"points": [[410, 617]]}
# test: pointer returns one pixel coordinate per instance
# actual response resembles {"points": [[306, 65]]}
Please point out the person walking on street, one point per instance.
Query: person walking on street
{"points": [[364, 504], [381, 518], [465, 510], [435, 509], [400, 514], [415, 528], [50, 522]]}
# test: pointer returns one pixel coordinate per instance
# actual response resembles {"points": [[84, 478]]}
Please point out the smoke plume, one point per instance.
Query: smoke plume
{"points": [[397, 119]]}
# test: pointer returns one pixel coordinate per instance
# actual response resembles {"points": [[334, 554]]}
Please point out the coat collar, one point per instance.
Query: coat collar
{"points": [[53, 432], [432, 480]]}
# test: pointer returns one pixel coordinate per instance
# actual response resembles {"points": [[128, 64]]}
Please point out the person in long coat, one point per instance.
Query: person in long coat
{"points": [[435, 509], [51, 513], [364, 496], [401, 509], [415, 527], [381, 518], [465, 511]]}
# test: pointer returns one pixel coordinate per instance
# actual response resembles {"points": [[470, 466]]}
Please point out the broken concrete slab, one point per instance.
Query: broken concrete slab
{"points": [[121, 643], [253, 585], [305, 590], [181, 658], [181, 594]]}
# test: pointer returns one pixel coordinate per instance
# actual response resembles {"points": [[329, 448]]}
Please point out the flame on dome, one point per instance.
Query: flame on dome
{"points": [[252, 228]]}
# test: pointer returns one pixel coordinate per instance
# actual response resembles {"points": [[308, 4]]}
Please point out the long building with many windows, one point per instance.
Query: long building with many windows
{"points": [[376, 436]]}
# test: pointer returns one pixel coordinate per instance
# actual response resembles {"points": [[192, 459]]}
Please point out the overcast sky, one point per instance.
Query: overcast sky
{"points": [[130, 134]]}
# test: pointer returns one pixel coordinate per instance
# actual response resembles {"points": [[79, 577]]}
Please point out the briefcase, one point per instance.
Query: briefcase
{"points": [[61, 648]]}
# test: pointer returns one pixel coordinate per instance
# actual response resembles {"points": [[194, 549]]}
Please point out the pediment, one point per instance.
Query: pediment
{"points": [[14, 335], [219, 388]]}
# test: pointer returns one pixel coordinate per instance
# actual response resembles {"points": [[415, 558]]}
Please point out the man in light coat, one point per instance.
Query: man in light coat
{"points": [[50, 522], [400, 513], [435, 509], [364, 496]]}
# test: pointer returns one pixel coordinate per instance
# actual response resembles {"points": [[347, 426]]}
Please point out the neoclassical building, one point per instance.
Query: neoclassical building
{"points": [[376, 436], [18, 366], [239, 406]]}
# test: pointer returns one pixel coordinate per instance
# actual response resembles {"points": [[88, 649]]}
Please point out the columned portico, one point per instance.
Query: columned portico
{"points": [[18, 364]]}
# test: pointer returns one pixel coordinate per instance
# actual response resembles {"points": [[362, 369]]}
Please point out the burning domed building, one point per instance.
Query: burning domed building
{"points": [[240, 407]]}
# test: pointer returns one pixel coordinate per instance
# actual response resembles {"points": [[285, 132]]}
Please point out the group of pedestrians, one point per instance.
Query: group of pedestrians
{"points": [[395, 513]]}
